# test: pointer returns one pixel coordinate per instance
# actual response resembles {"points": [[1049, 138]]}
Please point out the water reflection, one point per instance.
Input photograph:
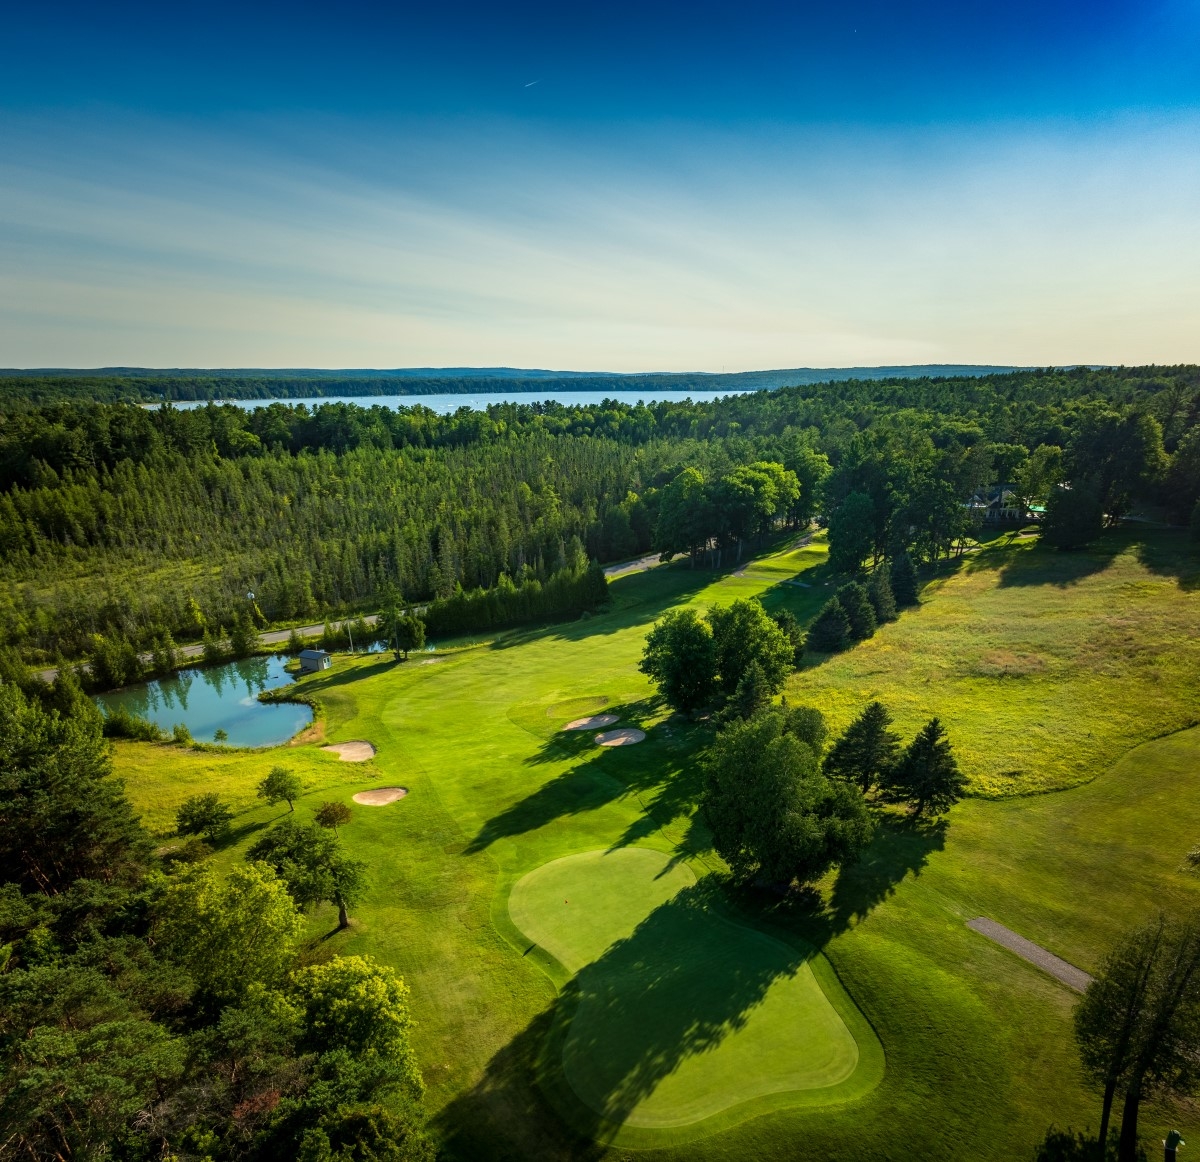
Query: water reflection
{"points": [[219, 698]]}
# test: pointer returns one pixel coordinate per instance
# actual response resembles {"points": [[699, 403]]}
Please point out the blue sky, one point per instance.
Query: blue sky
{"points": [[608, 186]]}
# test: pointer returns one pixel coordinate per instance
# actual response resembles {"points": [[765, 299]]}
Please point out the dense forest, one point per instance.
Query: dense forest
{"points": [[118, 519], [143, 385], [154, 1005]]}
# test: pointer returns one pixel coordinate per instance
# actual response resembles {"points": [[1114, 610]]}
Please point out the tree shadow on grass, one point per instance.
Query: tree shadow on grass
{"points": [[676, 987], [902, 846], [1172, 554], [1166, 552], [662, 771], [234, 835]]}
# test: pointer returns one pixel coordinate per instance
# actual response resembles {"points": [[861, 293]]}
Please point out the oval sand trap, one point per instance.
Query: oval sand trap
{"points": [[592, 722], [681, 1012], [381, 796], [356, 751], [627, 736]]}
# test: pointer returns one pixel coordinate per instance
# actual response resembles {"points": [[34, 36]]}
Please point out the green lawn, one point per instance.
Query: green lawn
{"points": [[665, 993]]}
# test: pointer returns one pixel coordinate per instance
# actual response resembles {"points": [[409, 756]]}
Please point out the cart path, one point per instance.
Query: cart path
{"points": [[1072, 977]]}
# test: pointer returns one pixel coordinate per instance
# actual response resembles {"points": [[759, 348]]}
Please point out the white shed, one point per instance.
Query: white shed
{"points": [[313, 660]]}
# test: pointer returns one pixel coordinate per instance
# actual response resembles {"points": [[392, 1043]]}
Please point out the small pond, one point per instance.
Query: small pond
{"points": [[219, 698]]}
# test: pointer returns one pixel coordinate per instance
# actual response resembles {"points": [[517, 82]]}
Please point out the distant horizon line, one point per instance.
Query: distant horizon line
{"points": [[478, 372]]}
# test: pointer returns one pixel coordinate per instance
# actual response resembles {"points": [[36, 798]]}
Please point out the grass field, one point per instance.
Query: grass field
{"points": [[646, 1019]]}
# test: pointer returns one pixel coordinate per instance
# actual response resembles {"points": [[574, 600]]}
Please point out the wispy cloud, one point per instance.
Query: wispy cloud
{"points": [[335, 243]]}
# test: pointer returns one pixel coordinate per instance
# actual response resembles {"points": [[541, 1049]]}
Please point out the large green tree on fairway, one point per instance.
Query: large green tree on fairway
{"points": [[851, 533], [311, 862], [1138, 1024], [391, 625], [926, 774], [685, 518], [1120, 452], [63, 816], [744, 633], [774, 817], [679, 657], [866, 753]]}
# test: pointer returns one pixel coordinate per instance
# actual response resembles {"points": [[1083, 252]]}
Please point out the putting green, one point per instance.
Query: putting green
{"points": [[681, 1013]]}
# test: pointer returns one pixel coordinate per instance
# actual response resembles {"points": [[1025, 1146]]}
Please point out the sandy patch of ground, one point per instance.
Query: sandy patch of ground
{"points": [[626, 737], [429, 661], [356, 751], [591, 722], [380, 796]]}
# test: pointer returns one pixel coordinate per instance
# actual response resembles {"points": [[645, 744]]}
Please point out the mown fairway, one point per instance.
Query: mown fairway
{"points": [[658, 995]]}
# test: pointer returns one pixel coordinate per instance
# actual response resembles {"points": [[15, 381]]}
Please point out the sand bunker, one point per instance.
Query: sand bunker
{"points": [[591, 723], [626, 737], [381, 796], [356, 751], [429, 661]]}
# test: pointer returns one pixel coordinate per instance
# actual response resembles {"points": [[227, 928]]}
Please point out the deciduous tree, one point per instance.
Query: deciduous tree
{"points": [[679, 657], [774, 817], [281, 786], [744, 633]]}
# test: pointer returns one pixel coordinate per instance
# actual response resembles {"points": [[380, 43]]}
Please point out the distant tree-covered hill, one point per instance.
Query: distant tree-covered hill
{"points": [[151, 385]]}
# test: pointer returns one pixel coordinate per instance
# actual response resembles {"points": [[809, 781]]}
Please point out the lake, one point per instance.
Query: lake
{"points": [[446, 403], [219, 698]]}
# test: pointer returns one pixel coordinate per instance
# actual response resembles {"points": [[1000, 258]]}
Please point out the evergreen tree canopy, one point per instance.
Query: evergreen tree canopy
{"points": [[856, 604], [883, 601], [63, 817], [926, 774], [903, 577], [851, 533], [753, 692], [830, 632], [866, 752]]}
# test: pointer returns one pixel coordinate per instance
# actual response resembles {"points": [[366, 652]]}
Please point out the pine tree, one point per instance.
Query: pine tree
{"points": [[295, 643], [883, 601], [903, 576], [831, 631], [927, 775], [753, 692], [214, 647], [866, 753], [243, 640], [857, 605]]}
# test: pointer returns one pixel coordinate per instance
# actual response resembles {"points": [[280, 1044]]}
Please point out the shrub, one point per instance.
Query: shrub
{"points": [[120, 723], [203, 815]]}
